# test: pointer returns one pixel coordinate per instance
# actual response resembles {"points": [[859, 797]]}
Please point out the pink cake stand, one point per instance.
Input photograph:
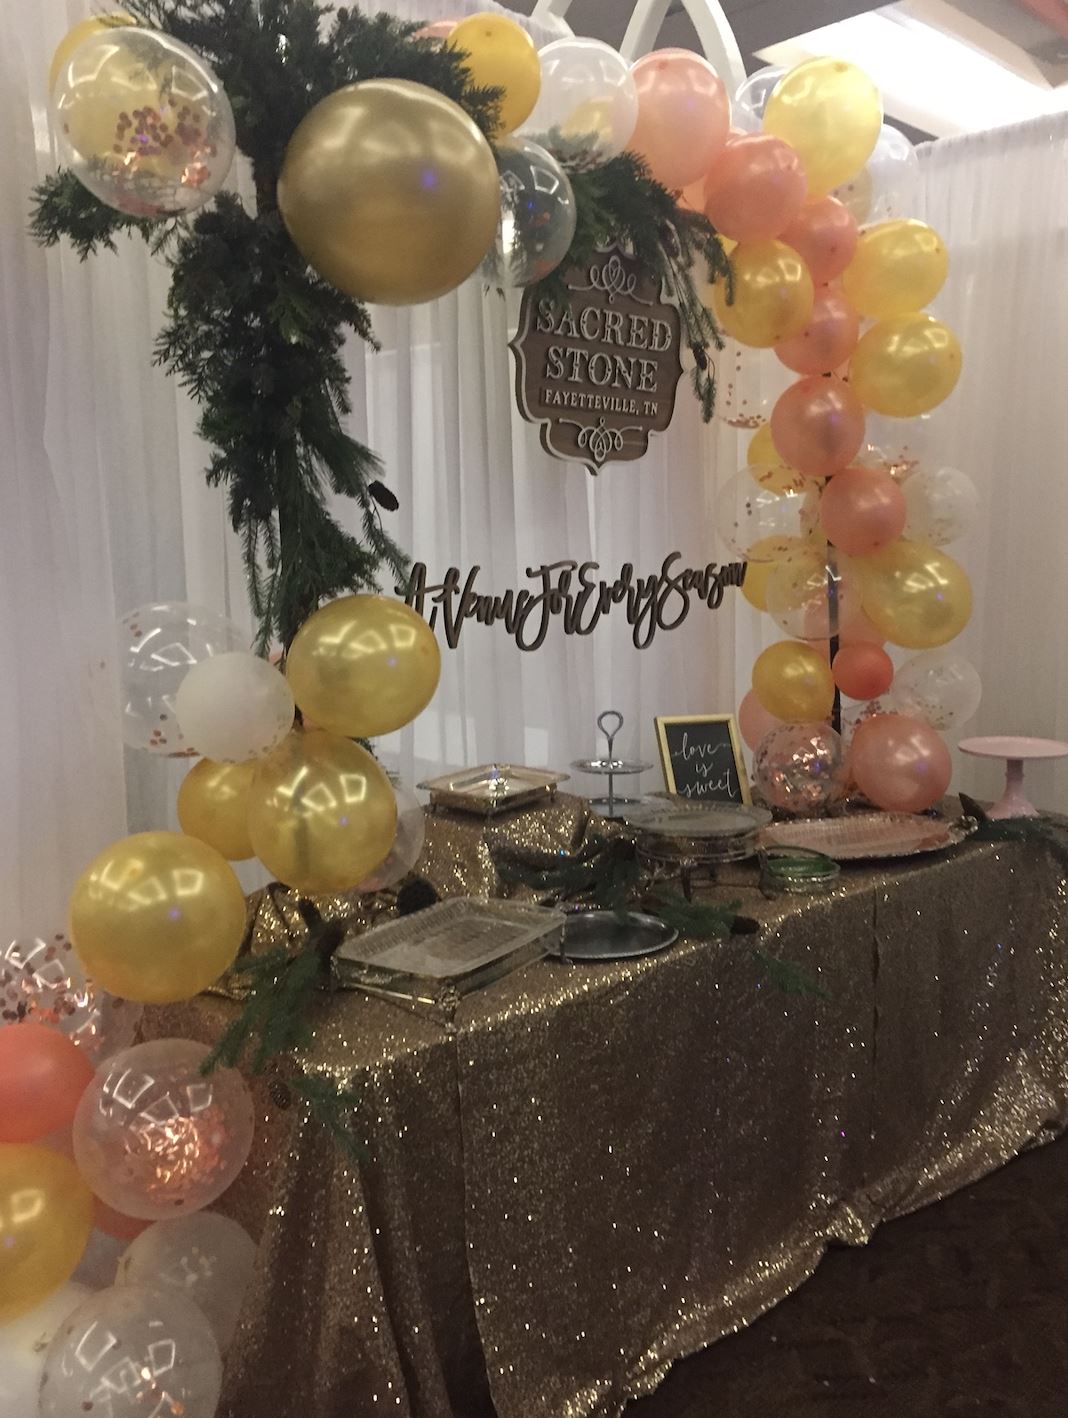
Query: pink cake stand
{"points": [[1015, 751]]}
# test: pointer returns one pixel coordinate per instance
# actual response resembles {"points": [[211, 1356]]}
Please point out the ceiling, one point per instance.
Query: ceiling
{"points": [[944, 66]]}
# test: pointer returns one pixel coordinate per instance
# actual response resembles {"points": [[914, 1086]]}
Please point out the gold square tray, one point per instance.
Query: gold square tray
{"points": [[493, 788]]}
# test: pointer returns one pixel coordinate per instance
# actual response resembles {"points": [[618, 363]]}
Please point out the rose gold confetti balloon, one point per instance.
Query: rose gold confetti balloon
{"points": [[42, 979], [155, 1138], [801, 768]]}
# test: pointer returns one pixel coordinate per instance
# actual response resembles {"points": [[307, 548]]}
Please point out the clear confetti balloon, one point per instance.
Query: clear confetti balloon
{"points": [[133, 1352], [801, 769], [754, 520], [799, 590], [158, 646], [940, 504], [538, 215], [233, 707], [23, 1343], [587, 107], [143, 122], [751, 98], [206, 1257], [883, 187], [42, 979], [154, 1138], [407, 845], [940, 687], [900, 446]]}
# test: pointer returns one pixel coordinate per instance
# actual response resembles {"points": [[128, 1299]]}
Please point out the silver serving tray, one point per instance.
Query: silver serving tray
{"points": [[613, 935], [870, 836], [493, 788], [680, 830]]}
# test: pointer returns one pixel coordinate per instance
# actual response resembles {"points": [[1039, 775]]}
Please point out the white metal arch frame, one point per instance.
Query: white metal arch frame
{"points": [[713, 31]]}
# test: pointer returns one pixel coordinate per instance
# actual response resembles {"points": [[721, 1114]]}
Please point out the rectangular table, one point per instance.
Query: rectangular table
{"points": [[594, 1170]]}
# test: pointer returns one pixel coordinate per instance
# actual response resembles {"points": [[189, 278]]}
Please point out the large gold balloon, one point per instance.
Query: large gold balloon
{"points": [[915, 595], [830, 113], [213, 805], [898, 266], [499, 54], [363, 666], [906, 365], [46, 1215], [157, 917], [794, 682], [322, 814], [95, 24], [773, 294], [390, 191]]}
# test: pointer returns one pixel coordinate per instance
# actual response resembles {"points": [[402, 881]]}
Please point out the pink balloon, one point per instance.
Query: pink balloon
{"points": [[683, 115], [817, 426], [43, 1075], [754, 188], [825, 233], [861, 510], [900, 764], [863, 671], [754, 720], [437, 29], [827, 340]]}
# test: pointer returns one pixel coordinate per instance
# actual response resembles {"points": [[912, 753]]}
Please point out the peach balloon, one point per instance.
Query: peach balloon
{"points": [[828, 339], [43, 1075], [437, 29], [755, 188], [861, 510], [900, 764], [825, 233], [683, 115], [863, 671], [754, 720], [817, 426]]}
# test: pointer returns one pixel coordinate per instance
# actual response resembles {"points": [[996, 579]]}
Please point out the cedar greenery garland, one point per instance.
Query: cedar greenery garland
{"points": [[257, 337]]}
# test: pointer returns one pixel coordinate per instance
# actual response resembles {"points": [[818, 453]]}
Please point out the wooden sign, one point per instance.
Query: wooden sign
{"points": [[598, 372], [702, 758]]}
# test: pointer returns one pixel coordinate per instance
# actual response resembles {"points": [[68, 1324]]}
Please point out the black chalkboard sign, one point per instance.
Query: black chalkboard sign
{"points": [[702, 758]]}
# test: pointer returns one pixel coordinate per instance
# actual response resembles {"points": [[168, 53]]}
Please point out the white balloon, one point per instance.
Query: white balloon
{"points": [[587, 107], [883, 187], [158, 646], [206, 1257], [751, 99], [939, 686], [941, 505], [407, 845], [22, 1349], [132, 1351], [234, 707]]}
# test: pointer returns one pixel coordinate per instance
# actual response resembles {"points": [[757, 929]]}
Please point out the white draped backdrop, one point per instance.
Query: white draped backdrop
{"points": [[104, 505]]}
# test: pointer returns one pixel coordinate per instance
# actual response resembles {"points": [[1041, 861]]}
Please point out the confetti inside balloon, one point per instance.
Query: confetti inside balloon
{"points": [[801, 768], [156, 1138], [143, 122], [133, 1350], [158, 646], [43, 979], [940, 503], [206, 1257], [940, 687], [755, 521], [538, 215]]}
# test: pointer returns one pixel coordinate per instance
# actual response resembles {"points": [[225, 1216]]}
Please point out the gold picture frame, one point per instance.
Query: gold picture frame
{"points": [[663, 725]]}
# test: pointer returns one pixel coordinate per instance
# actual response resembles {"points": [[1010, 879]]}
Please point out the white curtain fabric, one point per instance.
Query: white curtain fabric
{"points": [[105, 507]]}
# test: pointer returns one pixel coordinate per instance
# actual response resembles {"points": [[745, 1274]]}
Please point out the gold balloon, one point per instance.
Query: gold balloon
{"points": [[499, 54], [213, 805], [898, 267], [390, 191], [773, 294], [915, 595], [830, 113], [766, 464], [82, 31], [322, 814], [363, 666], [906, 365], [794, 682], [46, 1215], [157, 917]]}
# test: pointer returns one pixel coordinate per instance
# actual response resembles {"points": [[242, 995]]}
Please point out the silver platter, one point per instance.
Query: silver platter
{"points": [[610, 765], [679, 831], [613, 935], [870, 836], [493, 788]]}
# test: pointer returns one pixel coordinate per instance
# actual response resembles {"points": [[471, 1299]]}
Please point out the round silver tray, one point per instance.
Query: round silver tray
{"points": [[613, 935], [680, 830], [610, 765]]}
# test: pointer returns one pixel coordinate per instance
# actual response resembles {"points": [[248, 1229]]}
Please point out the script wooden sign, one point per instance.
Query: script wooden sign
{"points": [[599, 372]]}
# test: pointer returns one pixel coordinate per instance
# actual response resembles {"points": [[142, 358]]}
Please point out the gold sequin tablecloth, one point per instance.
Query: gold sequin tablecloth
{"points": [[598, 1169]]}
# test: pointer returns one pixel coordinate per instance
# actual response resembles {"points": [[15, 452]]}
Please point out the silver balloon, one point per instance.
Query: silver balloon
{"points": [[538, 215], [802, 769], [43, 979]]}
